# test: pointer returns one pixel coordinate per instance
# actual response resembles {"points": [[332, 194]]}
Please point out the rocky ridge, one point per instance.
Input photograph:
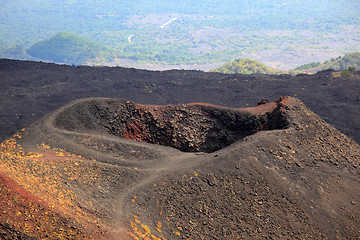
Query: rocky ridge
{"points": [[298, 178]]}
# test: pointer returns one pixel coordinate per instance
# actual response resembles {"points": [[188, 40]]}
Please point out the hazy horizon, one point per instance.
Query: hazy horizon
{"points": [[280, 34]]}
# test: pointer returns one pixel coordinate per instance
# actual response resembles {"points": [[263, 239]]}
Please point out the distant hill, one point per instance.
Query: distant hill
{"points": [[16, 52], [69, 48], [245, 66], [249, 66], [351, 60]]}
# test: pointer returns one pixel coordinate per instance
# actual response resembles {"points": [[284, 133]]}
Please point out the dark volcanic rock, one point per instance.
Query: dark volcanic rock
{"points": [[301, 182], [29, 90], [298, 178], [276, 171], [9, 233], [190, 128]]}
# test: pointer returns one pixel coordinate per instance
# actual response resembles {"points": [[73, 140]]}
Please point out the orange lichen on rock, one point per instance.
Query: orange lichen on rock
{"points": [[37, 189], [30, 214], [142, 231]]}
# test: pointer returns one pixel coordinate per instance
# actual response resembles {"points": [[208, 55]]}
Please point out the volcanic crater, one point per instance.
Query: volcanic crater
{"points": [[195, 127], [287, 174]]}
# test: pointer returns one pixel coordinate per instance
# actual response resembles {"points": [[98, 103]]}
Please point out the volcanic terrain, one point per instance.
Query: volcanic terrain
{"points": [[29, 90], [105, 168]]}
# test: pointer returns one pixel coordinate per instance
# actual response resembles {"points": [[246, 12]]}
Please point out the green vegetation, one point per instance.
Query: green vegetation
{"points": [[342, 63], [350, 61], [69, 48], [346, 73], [308, 66], [346, 64], [203, 32], [16, 52], [245, 66]]}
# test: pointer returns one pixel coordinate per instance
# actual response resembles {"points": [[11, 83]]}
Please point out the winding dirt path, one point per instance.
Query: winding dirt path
{"points": [[169, 160], [252, 174]]}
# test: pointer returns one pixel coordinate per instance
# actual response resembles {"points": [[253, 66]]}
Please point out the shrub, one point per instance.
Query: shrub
{"points": [[352, 69], [345, 73]]}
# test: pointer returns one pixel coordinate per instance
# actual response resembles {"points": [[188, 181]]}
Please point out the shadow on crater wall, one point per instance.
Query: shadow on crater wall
{"points": [[189, 128]]}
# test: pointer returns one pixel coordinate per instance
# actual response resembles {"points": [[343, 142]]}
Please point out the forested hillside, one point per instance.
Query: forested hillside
{"points": [[351, 60], [346, 64], [280, 34], [69, 48], [245, 66]]}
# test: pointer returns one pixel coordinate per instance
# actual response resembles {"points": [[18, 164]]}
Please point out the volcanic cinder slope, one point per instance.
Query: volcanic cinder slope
{"points": [[30, 90], [113, 169]]}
